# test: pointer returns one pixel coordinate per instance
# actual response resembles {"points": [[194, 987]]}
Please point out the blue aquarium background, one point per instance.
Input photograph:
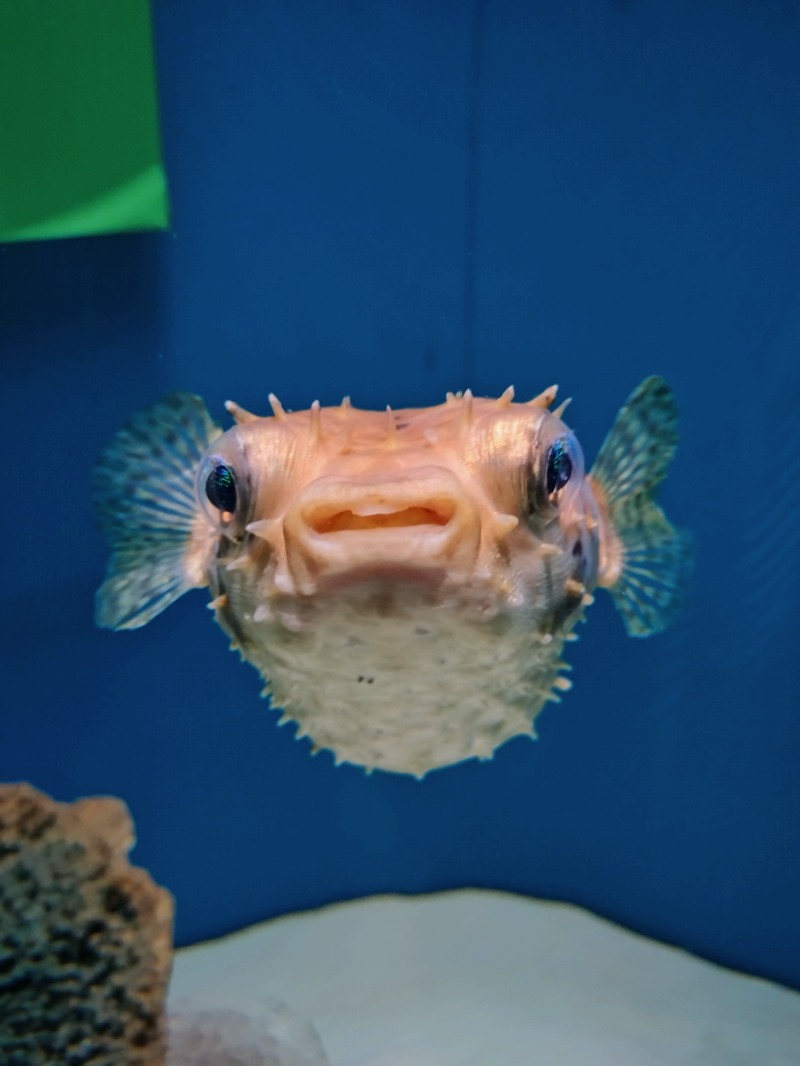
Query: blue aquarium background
{"points": [[392, 199]]}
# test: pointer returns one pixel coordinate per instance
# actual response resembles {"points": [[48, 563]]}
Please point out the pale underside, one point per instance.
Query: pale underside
{"points": [[391, 677]]}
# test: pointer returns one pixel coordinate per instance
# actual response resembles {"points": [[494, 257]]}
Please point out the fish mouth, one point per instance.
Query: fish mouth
{"points": [[418, 523], [375, 516]]}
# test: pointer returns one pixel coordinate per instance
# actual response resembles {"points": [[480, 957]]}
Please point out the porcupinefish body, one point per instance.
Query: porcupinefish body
{"points": [[404, 580]]}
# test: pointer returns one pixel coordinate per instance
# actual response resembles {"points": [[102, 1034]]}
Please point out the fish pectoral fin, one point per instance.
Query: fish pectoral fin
{"points": [[140, 583], [143, 491], [649, 559]]}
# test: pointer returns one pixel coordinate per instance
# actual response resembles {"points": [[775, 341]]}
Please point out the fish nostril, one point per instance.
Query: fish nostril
{"points": [[363, 518]]}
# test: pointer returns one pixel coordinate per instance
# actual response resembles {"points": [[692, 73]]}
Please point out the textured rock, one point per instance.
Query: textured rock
{"points": [[85, 938]]}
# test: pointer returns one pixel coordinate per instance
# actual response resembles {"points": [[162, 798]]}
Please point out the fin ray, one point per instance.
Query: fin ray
{"points": [[656, 557], [143, 491], [652, 587]]}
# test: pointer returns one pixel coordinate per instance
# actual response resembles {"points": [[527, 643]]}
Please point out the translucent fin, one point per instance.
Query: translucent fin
{"points": [[143, 490], [656, 558]]}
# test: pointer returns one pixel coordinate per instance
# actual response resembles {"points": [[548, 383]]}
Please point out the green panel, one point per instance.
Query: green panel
{"points": [[79, 140]]}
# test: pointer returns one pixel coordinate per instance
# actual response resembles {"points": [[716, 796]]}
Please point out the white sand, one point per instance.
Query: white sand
{"points": [[482, 979]]}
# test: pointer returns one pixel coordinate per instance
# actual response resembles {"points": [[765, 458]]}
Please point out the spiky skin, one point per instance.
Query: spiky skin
{"points": [[402, 594], [403, 580]]}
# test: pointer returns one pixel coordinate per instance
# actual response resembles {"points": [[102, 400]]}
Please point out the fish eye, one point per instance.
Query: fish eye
{"points": [[221, 488], [559, 467]]}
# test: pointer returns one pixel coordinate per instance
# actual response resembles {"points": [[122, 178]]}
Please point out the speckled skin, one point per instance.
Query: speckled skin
{"points": [[404, 581]]}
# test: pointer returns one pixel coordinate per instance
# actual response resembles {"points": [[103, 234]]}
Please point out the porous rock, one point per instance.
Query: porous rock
{"points": [[85, 938]]}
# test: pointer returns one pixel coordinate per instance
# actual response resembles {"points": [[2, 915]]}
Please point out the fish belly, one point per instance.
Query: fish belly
{"points": [[405, 686]]}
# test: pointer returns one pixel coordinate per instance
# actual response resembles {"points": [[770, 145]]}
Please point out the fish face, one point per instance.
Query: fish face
{"points": [[464, 498]]}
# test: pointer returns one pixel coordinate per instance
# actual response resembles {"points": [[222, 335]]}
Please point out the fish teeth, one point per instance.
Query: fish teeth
{"points": [[218, 602], [278, 410], [574, 588], [559, 411], [505, 399]]}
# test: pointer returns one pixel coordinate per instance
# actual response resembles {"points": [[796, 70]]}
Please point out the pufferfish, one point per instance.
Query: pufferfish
{"points": [[404, 581]]}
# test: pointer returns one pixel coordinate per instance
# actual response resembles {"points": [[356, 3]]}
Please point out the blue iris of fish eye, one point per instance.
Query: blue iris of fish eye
{"points": [[221, 488], [559, 467]]}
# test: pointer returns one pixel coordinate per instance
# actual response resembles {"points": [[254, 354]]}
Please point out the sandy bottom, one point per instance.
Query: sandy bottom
{"points": [[467, 978]]}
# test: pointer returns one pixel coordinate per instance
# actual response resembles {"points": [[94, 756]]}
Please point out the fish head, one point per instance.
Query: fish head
{"points": [[480, 502]]}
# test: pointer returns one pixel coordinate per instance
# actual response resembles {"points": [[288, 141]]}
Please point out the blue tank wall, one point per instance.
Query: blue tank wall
{"points": [[390, 200]]}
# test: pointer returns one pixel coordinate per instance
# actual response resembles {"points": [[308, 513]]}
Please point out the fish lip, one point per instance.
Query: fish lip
{"points": [[417, 522], [427, 501], [422, 578], [375, 518], [347, 507]]}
